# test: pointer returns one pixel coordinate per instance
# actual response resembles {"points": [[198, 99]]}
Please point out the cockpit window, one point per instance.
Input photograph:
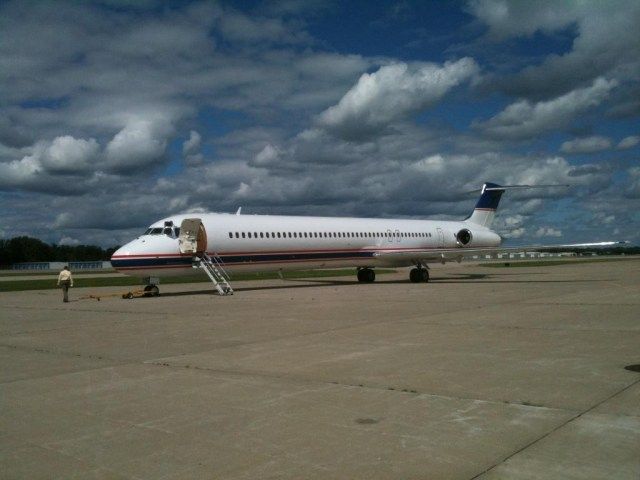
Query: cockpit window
{"points": [[173, 232]]}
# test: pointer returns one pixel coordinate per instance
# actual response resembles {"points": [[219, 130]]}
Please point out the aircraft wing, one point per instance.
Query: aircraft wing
{"points": [[431, 255]]}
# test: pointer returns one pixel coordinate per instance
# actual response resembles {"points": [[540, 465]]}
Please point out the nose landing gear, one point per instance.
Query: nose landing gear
{"points": [[151, 291]]}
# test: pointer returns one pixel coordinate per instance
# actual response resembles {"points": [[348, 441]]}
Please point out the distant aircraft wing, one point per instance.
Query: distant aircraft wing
{"points": [[414, 256]]}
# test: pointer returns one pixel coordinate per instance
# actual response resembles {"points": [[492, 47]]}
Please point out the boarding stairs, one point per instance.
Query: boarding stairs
{"points": [[214, 269]]}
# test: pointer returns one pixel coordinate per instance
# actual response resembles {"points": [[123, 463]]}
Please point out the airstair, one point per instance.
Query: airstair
{"points": [[193, 240], [212, 266]]}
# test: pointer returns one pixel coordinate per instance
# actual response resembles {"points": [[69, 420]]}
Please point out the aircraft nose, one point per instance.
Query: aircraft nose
{"points": [[120, 256]]}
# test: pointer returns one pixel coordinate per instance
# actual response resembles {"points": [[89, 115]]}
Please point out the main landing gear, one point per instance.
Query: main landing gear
{"points": [[419, 274], [366, 275]]}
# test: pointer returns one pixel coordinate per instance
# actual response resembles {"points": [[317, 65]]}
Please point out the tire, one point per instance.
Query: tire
{"points": [[370, 276], [366, 275], [425, 275], [419, 275], [415, 275]]}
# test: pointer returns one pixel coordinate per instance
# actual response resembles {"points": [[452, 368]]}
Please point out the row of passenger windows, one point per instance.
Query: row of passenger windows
{"points": [[329, 234]]}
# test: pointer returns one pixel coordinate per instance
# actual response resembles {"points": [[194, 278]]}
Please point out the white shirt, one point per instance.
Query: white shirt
{"points": [[64, 276]]}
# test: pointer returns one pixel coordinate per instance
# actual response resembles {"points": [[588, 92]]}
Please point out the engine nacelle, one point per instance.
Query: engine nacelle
{"points": [[464, 237]]}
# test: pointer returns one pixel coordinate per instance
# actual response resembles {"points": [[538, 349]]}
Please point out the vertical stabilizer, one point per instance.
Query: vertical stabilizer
{"points": [[485, 209]]}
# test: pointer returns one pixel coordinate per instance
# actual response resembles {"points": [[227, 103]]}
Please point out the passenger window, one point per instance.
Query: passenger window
{"points": [[237, 235], [249, 234], [243, 235], [230, 235], [295, 235], [261, 234]]}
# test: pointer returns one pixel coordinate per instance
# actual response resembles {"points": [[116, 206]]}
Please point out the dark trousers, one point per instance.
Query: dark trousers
{"points": [[65, 290]]}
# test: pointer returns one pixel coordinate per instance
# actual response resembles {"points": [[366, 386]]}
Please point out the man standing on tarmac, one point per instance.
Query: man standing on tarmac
{"points": [[65, 280]]}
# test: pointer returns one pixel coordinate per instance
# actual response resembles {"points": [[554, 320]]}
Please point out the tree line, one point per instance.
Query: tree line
{"points": [[28, 249]]}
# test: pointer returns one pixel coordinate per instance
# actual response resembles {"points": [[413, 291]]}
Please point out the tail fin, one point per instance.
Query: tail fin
{"points": [[489, 199], [487, 205]]}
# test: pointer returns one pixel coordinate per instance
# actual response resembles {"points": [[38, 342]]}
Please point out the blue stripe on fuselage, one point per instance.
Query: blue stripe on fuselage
{"points": [[239, 259]]}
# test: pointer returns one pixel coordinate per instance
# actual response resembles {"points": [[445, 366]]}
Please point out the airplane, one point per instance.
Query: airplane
{"points": [[224, 243]]}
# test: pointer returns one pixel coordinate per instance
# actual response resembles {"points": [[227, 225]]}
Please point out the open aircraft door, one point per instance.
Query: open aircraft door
{"points": [[193, 237]]}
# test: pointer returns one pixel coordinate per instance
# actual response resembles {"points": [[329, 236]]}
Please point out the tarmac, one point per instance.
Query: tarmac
{"points": [[484, 373]]}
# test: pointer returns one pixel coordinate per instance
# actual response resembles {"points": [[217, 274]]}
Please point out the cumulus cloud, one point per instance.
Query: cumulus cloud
{"points": [[191, 145], [513, 19], [522, 119], [70, 155], [606, 42], [592, 144], [190, 150], [18, 172], [391, 94], [50, 164], [629, 142], [140, 143], [69, 241], [267, 156]]}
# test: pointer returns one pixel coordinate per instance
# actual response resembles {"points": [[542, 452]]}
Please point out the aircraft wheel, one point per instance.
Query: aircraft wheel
{"points": [[366, 275], [415, 276], [418, 275], [425, 275], [151, 291], [370, 276]]}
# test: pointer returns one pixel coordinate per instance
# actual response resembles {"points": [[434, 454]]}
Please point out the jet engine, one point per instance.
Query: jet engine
{"points": [[464, 237]]}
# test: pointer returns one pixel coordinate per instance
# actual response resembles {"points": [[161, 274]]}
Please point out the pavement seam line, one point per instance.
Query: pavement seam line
{"points": [[553, 430], [300, 380]]}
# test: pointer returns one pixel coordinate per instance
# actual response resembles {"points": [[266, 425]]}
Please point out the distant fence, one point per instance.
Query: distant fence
{"points": [[38, 266]]}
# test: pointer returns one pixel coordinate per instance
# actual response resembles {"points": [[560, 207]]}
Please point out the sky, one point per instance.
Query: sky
{"points": [[114, 114]]}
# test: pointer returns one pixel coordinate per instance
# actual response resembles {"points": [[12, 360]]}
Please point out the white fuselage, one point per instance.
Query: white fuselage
{"points": [[253, 243]]}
